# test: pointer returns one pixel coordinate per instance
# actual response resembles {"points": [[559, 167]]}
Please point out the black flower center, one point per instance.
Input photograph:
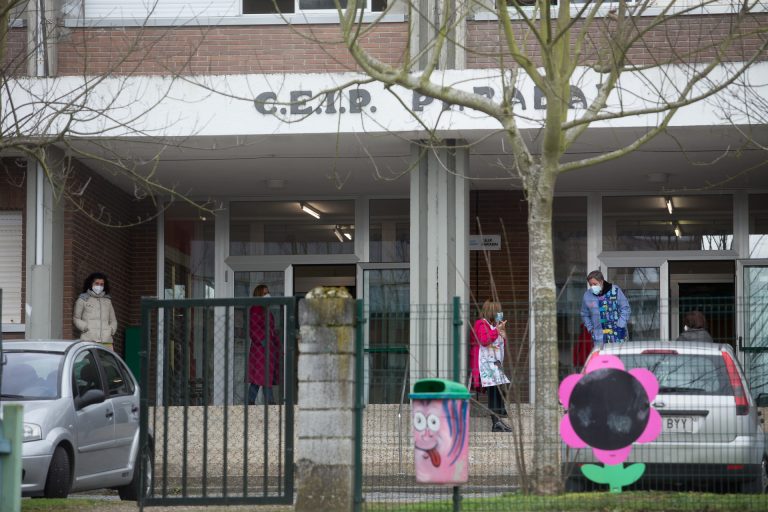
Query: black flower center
{"points": [[609, 409]]}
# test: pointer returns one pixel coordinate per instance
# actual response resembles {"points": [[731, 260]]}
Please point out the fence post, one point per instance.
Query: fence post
{"points": [[10, 458], [324, 453]]}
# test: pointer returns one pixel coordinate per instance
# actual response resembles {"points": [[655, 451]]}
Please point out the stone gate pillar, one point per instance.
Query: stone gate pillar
{"points": [[325, 421]]}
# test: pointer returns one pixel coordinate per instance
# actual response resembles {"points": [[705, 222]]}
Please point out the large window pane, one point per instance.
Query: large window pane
{"points": [[569, 239], [758, 225], [668, 223], [390, 230], [189, 254], [268, 6], [388, 300], [283, 228], [641, 286]]}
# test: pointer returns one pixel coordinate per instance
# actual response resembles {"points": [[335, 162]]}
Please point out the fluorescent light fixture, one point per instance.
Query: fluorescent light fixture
{"points": [[348, 234], [309, 210], [678, 232], [337, 232], [669, 205]]}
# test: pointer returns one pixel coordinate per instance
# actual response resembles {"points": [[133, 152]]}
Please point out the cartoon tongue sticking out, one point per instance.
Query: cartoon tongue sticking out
{"points": [[434, 456]]}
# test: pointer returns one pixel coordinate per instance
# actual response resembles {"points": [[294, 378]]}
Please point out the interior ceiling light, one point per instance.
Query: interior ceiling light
{"points": [[337, 232], [669, 205], [678, 231], [309, 210], [348, 234]]}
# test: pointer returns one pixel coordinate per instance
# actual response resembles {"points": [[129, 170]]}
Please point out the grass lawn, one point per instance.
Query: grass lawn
{"points": [[593, 502]]}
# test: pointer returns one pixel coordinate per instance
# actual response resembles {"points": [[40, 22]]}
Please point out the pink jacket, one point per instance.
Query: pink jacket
{"points": [[482, 334], [260, 344]]}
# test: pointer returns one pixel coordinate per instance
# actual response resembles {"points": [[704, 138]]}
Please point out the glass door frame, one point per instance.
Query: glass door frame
{"points": [[741, 302], [674, 295]]}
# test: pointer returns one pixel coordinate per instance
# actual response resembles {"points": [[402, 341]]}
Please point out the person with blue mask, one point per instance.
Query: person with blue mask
{"points": [[605, 310]]}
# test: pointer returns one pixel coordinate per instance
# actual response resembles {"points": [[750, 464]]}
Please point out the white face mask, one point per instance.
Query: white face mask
{"points": [[97, 289], [596, 289], [685, 327], [266, 295]]}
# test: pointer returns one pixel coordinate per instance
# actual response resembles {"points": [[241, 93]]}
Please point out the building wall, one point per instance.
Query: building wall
{"points": [[94, 241], [14, 61], [221, 50], [13, 196], [503, 213], [682, 36]]}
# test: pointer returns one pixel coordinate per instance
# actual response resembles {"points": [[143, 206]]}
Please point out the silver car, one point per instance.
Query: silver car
{"points": [[712, 435], [81, 418]]}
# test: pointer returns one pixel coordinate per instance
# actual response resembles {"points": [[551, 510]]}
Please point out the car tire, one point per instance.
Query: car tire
{"points": [[59, 478], [759, 484], [132, 491]]}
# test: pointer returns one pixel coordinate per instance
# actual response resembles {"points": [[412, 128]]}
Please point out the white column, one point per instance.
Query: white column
{"points": [[45, 257], [439, 254]]}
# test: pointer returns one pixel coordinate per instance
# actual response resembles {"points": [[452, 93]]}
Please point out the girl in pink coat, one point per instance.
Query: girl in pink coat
{"points": [[266, 350]]}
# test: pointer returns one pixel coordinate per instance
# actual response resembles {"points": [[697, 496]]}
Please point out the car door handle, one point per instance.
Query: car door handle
{"points": [[134, 409], [110, 414]]}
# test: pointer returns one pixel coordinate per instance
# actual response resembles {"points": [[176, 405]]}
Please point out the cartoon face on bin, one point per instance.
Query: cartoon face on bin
{"points": [[440, 440]]}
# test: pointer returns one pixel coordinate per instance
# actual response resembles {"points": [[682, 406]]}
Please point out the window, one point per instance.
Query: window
{"points": [[117, 383], [390, 231], [85, 376], [293, 6], [758, 225], [272, 228], [189, 253], [668, 223], [10, 269], [641, 285]]}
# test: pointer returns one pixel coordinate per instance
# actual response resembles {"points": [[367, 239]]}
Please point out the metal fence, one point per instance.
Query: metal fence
{"points": [[712, 438], [215, 438]]}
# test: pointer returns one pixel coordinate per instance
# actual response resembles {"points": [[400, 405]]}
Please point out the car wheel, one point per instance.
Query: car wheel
{"points": [[58, 481], [759, 484], [132, 491]]}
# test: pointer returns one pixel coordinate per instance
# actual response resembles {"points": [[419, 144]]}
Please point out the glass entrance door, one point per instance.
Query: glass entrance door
{"points": [[752, 293]]}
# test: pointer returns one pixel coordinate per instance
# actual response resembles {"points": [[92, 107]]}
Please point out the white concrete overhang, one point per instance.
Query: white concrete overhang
{"points": [[208, 137]]}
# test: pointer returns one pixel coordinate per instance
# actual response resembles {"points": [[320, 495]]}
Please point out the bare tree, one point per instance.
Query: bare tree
{"points": [[556, 47], [59, 122]]}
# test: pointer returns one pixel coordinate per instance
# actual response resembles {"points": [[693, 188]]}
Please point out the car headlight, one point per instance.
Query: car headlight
{"points": [[32, 432]]}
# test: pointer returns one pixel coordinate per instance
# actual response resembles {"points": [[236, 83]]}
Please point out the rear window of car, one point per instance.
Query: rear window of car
{"points": [[684, 374], [30, 376]]}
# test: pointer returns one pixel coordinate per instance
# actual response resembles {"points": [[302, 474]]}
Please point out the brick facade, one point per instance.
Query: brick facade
{"points": [[682, 38], [94, 242], [221, 50]]}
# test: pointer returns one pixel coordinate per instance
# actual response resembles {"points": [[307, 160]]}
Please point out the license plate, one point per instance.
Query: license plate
{"points": [[680, 424]]}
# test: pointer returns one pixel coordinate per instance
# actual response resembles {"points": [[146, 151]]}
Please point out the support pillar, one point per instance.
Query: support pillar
{"points": [[439, 254], [325, 448], [45, 257]]}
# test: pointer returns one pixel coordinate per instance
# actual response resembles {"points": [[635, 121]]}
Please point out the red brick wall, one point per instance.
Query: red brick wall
{"points": [[680, 36], [13, 196], [222, 50], [14, 61], [504, 213], [93, 242]]}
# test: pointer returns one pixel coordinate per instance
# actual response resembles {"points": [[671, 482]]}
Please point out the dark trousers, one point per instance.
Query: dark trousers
{"points": [[496, 403], [253, 391]]}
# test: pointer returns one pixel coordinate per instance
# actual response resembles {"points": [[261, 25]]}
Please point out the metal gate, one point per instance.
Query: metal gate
{"points": [[210, 438]]}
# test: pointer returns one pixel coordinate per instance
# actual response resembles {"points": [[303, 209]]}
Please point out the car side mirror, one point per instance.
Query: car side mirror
{"points": [[762, 400], [90, 397]]}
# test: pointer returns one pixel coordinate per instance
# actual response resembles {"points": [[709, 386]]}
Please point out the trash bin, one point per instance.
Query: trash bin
{"points": [[440, 414]]}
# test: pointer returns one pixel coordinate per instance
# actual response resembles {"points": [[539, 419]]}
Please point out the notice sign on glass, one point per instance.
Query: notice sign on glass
{"points": [[484, 242]]}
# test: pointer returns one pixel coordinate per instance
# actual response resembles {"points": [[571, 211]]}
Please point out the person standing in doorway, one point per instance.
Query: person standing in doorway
{"points": [[265, 354], [486, 358], [94, 315], [604, 310], [695, 327]]}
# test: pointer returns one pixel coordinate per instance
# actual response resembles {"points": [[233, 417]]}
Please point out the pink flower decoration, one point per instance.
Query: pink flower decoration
{"points": [[622, 420]]}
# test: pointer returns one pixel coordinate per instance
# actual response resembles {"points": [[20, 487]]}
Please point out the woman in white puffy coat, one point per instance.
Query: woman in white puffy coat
{"points": [[94, 314]]}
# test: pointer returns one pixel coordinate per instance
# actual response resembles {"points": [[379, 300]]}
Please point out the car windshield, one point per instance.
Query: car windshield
{"points": [[684, 374], [30, 376]]}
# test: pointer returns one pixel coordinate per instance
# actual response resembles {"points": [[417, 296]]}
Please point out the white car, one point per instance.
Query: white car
{"points": [[81, 418], [712, 431]]}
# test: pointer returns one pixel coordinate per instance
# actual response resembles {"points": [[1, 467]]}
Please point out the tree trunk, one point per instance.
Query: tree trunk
{"points": [[547, 411]]}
